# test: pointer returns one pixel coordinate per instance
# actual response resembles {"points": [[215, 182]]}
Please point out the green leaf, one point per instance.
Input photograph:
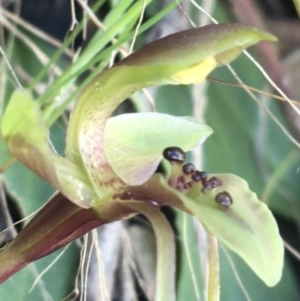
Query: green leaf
{"points": [[246, 227], [286, 289], [134, 143], [65, 269]]}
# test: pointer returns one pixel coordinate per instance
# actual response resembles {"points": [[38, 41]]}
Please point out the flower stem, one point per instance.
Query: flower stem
{"points": [[214, 271], [165, 246], [57, 224], [188, 256]]}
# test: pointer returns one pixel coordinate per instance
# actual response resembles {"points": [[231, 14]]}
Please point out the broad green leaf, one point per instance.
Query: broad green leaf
{"points": [[175, 107], [191, 251], [231, 289], [246, 227], [27, 189], [134, 143], [65, 269]]}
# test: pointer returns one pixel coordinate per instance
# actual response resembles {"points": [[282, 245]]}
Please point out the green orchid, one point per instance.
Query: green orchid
{"points": [[108, 172]]}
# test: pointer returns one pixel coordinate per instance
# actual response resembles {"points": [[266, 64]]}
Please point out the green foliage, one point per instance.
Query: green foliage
{"points": [[60, 276]]}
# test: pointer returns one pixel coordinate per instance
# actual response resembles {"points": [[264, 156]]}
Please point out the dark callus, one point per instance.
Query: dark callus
{"points": [[188, 168], [224, 199], [174, 154]]}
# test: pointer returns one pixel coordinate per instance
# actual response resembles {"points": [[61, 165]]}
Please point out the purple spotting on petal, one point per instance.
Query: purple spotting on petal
{"points": [[199, 176], [188, 168], [188, 185], [185, 176], [211, 184]]}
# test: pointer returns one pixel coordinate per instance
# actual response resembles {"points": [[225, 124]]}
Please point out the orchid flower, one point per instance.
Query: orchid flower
{"points": [[108, 171]]}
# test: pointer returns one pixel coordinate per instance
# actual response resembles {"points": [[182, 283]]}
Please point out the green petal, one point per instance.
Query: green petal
{"points": [[185, 57], [246, 227], [26, 135], [134, 143]]}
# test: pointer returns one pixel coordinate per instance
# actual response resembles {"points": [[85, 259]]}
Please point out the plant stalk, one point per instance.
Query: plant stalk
{"points": [[57, 224], [165, 248], [214, 271]]}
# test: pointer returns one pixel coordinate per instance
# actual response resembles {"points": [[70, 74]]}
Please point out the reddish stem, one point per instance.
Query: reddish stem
{"points": [[57, 224]]}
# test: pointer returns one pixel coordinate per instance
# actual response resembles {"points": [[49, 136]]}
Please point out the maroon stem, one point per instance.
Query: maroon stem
{"points": [[57, 224]]}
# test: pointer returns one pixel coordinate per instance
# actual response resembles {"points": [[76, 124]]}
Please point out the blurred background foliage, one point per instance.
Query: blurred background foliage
{"points": [[55, 46]]}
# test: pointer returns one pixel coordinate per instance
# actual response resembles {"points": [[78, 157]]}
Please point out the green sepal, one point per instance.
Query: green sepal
{"points": [[27, 137], [191, 46]]}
